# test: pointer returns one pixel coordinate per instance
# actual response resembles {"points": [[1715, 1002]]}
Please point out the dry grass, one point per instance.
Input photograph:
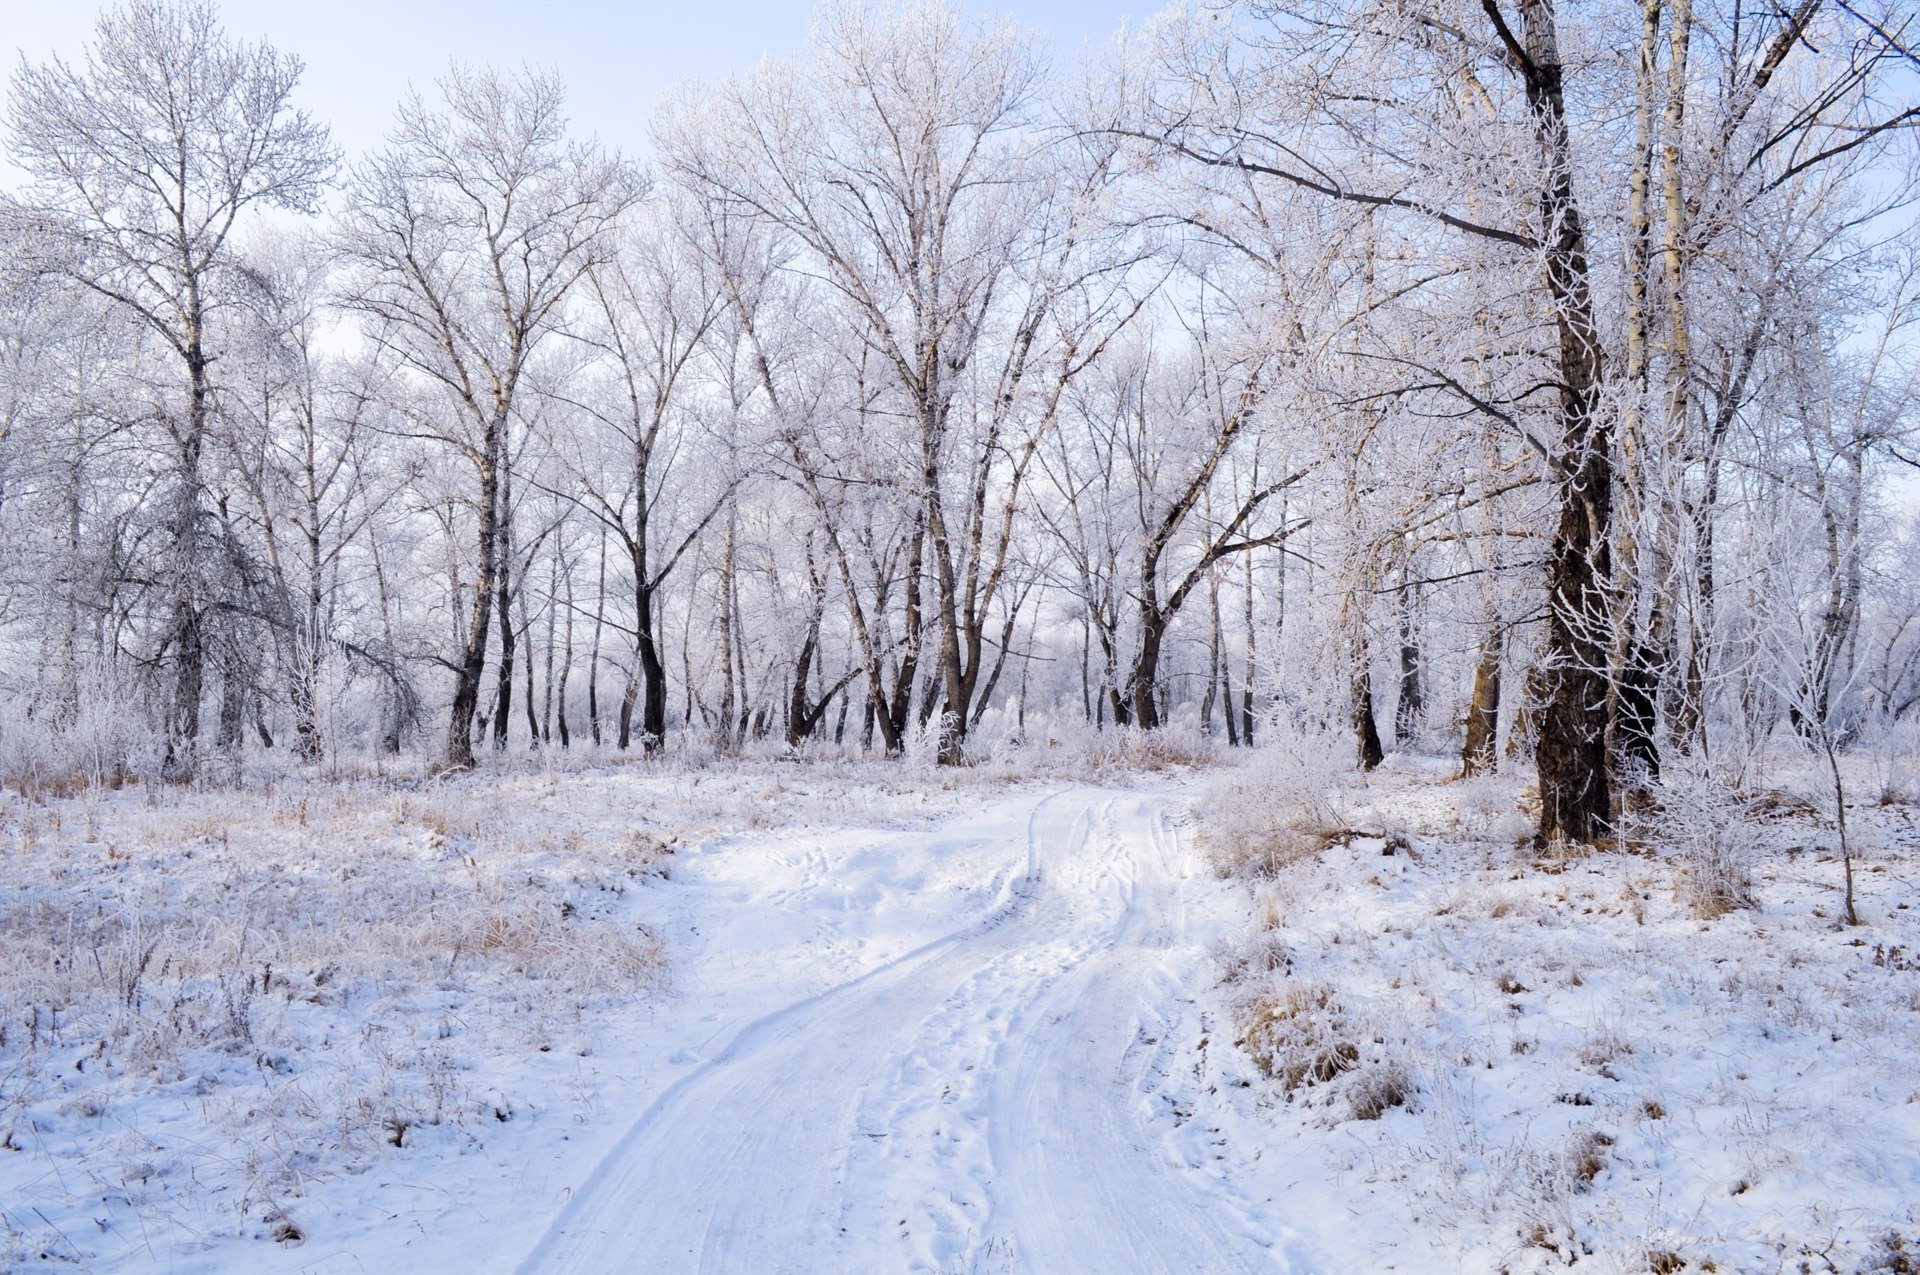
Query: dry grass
{"points": [[1274, 810], [1300, 1036], [1581, 1043], [315, 967]]}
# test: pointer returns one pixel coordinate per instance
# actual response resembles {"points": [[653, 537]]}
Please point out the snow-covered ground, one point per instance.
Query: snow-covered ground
{"points": [[770, 1017], [1509, 1062], [397, 1023]]}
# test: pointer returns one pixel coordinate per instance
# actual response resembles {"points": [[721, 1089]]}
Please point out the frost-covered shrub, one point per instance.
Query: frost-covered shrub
{"points": [[1300, 1035], [105, 743], [1893, 759], [1712, 829], [1276, 808], [1264, 952], [1378, 1087]]}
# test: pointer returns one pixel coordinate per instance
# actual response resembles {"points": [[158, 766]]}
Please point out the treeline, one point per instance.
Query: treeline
{"points": [[1475, 375]]}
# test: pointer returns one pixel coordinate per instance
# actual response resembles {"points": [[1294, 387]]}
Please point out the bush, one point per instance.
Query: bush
{"points": [[1276, 808], [1712, 828], [1300, 1036]]}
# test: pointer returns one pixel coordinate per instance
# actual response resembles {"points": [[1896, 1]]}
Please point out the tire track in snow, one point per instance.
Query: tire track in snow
{"points": [[977, 1103]]}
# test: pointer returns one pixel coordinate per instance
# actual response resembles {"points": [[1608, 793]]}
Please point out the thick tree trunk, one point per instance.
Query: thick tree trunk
{"points": [[799, 720], [187, 626], [955, 692], [1571, 751], [1366, 730], [1146, 669], [653, 678], [231, 729]]}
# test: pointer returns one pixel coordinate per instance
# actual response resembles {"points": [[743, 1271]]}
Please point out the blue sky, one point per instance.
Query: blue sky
{"points": [[618, 59]]}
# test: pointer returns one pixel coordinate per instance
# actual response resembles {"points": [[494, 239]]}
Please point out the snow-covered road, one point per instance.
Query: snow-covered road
{"points": [[983, 1102]]}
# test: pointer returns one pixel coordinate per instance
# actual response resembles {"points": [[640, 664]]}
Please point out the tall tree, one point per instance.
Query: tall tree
{"points": [[465, 236], [145, 157]]}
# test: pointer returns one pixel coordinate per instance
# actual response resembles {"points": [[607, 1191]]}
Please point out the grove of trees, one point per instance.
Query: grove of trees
{"points": [[1529, 381]]}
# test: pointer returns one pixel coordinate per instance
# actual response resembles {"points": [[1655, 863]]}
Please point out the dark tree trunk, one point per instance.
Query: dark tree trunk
{"points": [[533, 703], [1411, 708], [800, 719], [899, 710], [1146, 663], [1636, 705], [593, 655], [503, 684], [1575, 792], [566, 666], [1366, 730], [653, 678], [1146, 671], [231, 729]]}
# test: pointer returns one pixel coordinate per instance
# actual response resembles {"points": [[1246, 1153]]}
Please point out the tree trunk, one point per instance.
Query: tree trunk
{"points": [[1366, 730], [503, 684], [1247, 678], [526, 631], [653, 677], [1146, 664], [231, 730], [593, 654], [187, 624], [553, 604], [1571, 750], [1146, 671], [899, 709], [1411, 707], [1483, 709], [473, 658], [800, 718], [566, 657], [729, 693], [397, 704], [1213, 662], [306, 681]]}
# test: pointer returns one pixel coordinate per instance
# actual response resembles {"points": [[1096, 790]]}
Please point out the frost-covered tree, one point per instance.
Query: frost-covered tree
{"points": [[464, 237], [144, 158]]}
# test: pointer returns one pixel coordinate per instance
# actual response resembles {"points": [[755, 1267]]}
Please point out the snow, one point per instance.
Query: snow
{"points": [[1598, 1076], [896, 1020]]}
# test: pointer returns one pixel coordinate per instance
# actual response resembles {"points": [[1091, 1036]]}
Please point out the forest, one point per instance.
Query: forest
{"points": [[1335, 362], [985, 570]]}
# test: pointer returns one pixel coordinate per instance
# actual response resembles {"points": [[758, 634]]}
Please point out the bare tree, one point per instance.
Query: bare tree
{"points": [[146, 156], [465, 236]]}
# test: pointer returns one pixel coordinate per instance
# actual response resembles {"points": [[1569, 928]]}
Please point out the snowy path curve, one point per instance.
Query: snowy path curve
{"points": [[980, 1103]]}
